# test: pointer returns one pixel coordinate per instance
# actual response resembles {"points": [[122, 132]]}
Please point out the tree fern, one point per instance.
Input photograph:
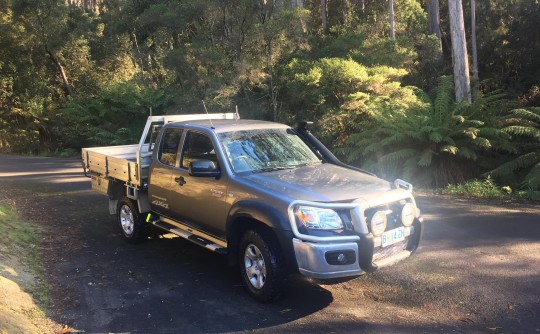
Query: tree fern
{"points": [[433, 145]]}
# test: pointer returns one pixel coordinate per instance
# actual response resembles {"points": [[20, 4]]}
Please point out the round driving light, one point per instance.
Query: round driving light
{"points": [[378, 223], [408, 213]]}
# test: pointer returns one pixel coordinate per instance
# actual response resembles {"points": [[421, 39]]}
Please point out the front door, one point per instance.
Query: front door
{"points": [[199, 201]]}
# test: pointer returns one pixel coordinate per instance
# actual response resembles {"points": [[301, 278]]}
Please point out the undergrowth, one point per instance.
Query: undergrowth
{"points": [[487, 188], [20, 239]]}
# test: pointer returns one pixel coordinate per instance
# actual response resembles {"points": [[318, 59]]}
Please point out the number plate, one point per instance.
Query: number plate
{"points": [[391, 237]]}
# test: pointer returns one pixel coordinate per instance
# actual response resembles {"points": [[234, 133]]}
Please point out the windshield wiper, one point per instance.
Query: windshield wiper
{"points": [[271, 169]]}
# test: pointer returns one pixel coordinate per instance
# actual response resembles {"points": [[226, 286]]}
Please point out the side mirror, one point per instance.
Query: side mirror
{"points": [[204, 168]]}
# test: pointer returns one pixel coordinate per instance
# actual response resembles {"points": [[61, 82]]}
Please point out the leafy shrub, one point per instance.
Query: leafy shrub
{"points": [[116, 117], [340, 93], [433, 144], [478, 188]]}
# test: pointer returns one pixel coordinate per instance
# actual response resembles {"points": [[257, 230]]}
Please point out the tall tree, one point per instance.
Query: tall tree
{"points": [[459, 51], [324, 16], [434, 22], [473, 40], [392, 21]]}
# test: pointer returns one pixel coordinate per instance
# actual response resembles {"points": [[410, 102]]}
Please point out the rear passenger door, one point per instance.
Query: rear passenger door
{"points": [[167, 161], [199, 201]]}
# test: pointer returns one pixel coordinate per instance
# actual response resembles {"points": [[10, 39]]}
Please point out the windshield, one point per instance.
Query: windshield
{"points": [[266, 150]]}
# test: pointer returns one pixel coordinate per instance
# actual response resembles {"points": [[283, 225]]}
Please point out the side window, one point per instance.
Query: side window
{"points": [[168, 151], [197, 146]]}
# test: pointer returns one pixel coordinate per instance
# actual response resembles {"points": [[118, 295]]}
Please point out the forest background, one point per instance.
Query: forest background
{"points": [[374, 75]]}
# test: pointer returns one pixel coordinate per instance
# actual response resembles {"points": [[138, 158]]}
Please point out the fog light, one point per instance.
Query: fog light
{"points": [[340, 257], [378, 223], [408, 213]]}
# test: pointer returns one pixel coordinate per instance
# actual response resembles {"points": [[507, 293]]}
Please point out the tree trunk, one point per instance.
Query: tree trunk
{"points": [[459, 51], [435, 25], [473, 33], [345, 12], [392, 23], [323, 16], [63, 74]]}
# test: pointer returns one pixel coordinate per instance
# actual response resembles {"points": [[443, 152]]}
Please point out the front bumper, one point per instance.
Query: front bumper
{"points": [[313, 260]]}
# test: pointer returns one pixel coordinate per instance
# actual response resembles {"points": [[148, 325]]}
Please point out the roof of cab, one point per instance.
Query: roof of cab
{"points": [[221, 125]]}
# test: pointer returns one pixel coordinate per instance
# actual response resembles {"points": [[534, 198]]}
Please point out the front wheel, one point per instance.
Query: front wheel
{"points": [[130, 221], [261, 266]]}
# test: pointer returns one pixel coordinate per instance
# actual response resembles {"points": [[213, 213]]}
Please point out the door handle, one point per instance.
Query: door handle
{"points": [[180, 180]]}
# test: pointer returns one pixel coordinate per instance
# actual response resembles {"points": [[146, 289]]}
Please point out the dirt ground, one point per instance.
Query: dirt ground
{"points": [[19, 311]]}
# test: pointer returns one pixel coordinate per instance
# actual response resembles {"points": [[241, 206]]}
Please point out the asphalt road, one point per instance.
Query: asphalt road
{"points": [[477, 271]]}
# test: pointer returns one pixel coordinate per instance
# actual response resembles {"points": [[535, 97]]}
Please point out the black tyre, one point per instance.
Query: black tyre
{"points": [[131, 223], [261, 266]]}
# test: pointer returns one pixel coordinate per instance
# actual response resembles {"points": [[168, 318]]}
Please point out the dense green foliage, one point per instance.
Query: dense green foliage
{"points": [[485, 188], [72, 77], [524, 166]]}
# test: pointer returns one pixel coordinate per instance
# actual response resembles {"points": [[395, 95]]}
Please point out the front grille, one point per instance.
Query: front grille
{"points": [[384, 252]]}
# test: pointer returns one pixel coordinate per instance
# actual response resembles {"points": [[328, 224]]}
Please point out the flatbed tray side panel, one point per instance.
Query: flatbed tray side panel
{"points": [[118, 162]]}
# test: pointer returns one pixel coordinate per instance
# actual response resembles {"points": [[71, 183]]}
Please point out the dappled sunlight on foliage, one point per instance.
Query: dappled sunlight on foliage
{"points": [[434, 144], [72, 76]]}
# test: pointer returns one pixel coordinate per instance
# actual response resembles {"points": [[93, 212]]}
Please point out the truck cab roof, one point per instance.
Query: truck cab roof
{"points": [[219, 126]]}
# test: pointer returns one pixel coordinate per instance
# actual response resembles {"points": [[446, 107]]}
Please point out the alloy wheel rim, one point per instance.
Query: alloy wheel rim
{"points": [[255, 266], [126, 220]]}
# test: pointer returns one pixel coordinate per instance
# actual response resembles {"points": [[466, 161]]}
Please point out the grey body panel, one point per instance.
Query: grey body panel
{"points": [[320, 183]]}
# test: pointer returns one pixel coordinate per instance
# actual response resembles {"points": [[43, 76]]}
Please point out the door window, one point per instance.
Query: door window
{"points": [[197, 146], [168, 152]]}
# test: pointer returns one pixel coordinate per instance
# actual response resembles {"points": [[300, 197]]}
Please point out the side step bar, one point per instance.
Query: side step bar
{"points": [[191, 235]]}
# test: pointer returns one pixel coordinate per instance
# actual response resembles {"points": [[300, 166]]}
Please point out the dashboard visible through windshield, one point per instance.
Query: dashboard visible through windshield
{"points": [[263, 150]]}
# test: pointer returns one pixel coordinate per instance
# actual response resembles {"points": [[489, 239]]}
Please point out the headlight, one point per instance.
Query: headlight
{"points": [[378, 223], [318, 218], [408, 213]]}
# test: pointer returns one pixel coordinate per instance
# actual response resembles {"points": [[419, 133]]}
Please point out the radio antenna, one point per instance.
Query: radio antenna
{"points": [[210, 119]]}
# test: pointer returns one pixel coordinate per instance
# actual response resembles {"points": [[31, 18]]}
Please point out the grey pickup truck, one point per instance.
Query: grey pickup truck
{"points": [[273, 198]]}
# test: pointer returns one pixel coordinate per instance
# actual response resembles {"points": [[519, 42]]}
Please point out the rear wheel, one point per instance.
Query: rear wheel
{"points": [[130, 221], [261, 266]]}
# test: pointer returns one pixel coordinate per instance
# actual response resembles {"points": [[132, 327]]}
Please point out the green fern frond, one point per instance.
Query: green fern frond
{"points": [[444, 97], [397, 156], [436, 137], [467, 153], [448, 140], [493, 133], [425, 158], [410, 168], [393, 140], [507, 146], [523, 131], [532, 179], [521, 162], [483, 143], [530, 115], [373, 147]]}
